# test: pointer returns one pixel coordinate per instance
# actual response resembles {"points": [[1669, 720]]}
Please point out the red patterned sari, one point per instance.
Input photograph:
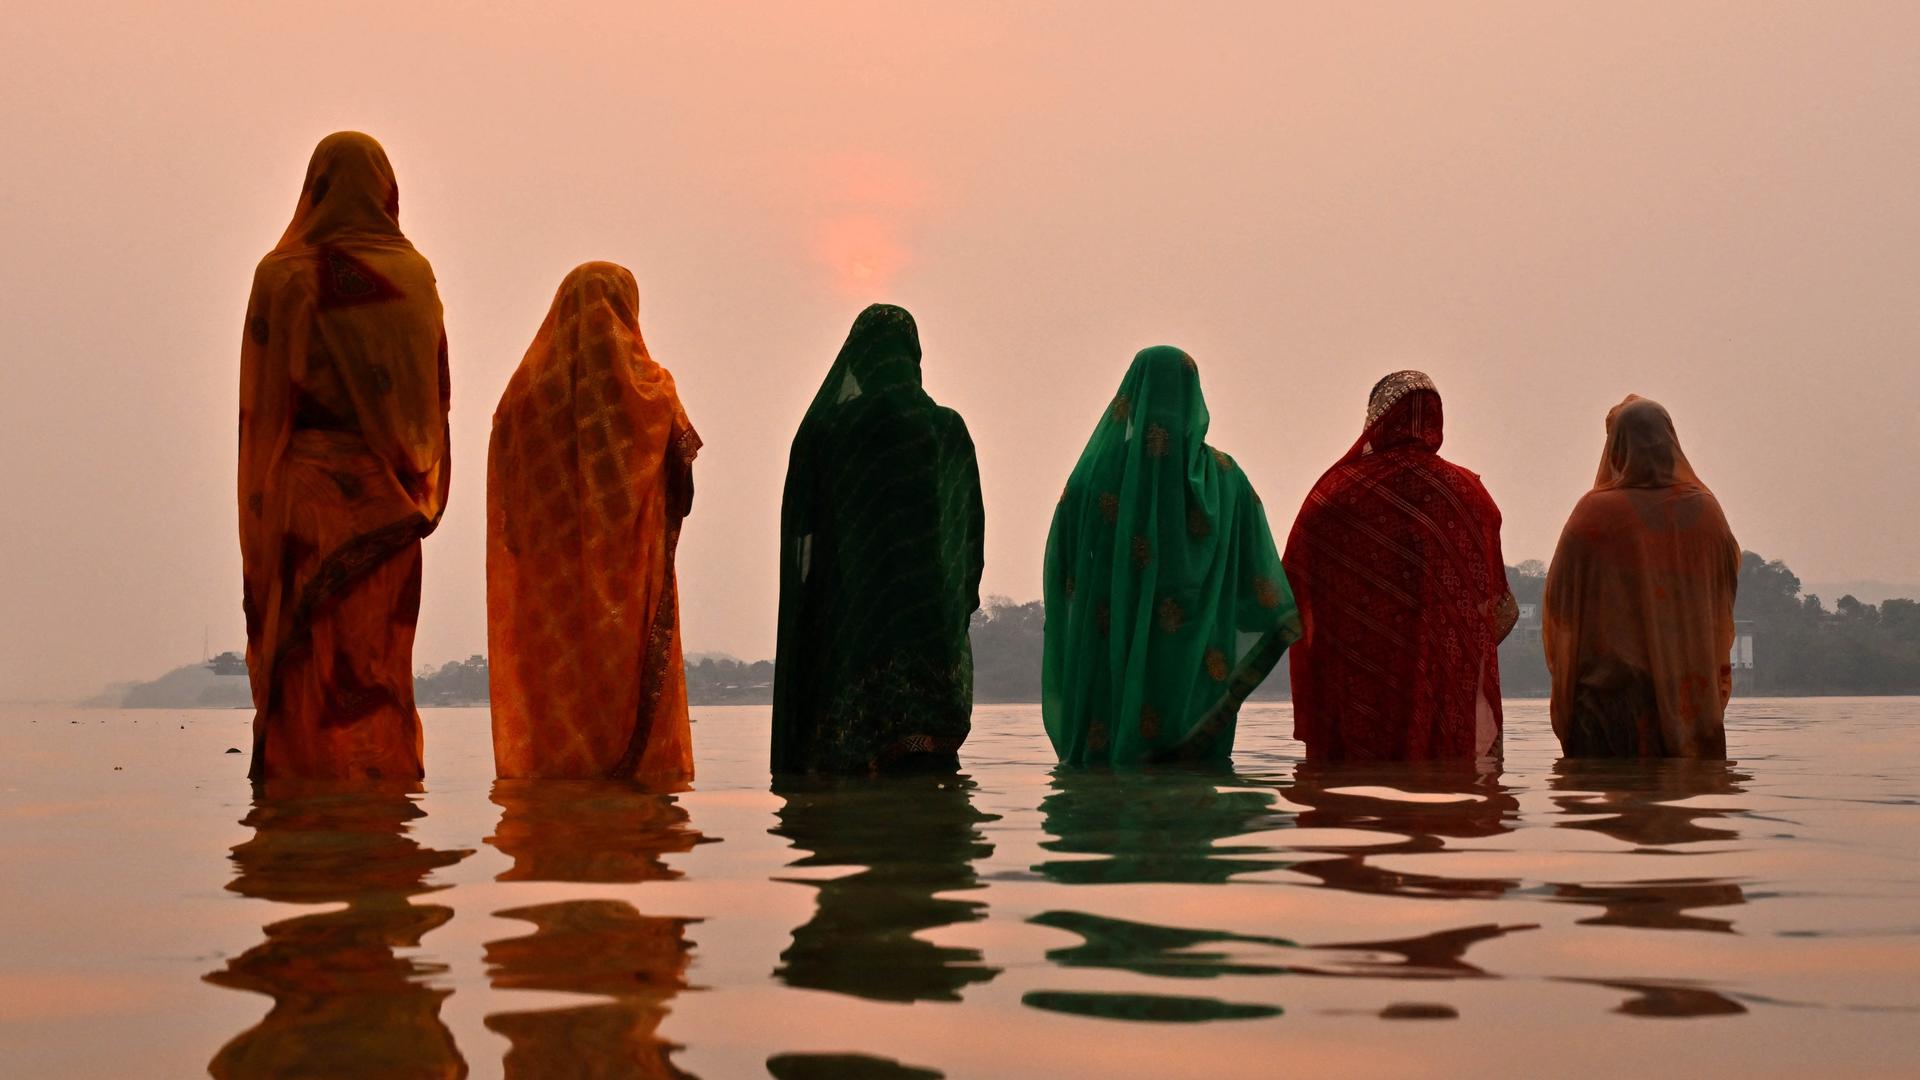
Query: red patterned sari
{"points": [[1395, 562]]}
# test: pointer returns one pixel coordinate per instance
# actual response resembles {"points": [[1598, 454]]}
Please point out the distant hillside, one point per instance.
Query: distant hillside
{"points": [[1867, 592], [1868, 642], [220, 683]]}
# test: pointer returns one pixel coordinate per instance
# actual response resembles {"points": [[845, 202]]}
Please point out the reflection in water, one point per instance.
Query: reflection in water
{"points": [[915, 836], [844, 1067], [590, 832], [1439, 955], [1477, 805], [344, 1003], [1146, 949], [1637, 798], [1155, 826], [1669, 1000], [1151, 1008], [1181, 827], [1656, 905], [1472, 803], [1171, 826], [1640, 803]]}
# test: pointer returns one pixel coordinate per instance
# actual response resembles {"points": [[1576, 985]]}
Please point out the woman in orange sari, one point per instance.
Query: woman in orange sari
{"points": [[1639, 602], [589, 476], [343, 469]]}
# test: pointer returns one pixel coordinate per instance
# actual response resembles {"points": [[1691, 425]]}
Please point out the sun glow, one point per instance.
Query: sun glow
{"points": [[864, 205], [863, 252]]}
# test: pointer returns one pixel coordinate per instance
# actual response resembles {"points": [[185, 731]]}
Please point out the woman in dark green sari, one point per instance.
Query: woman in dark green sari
{"points": [[880, 559], [1166, 603]]}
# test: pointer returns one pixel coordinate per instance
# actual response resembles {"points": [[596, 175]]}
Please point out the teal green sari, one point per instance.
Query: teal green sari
{"points": [[1166, 604], [880, 559]]}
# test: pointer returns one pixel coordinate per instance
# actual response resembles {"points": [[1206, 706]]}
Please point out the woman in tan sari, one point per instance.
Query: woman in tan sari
{"points": [[589, 476], [1639, 602], [343, 468]]}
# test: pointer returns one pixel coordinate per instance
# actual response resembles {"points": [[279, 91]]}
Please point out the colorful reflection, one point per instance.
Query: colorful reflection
{"points": [[1647, 804], [590, 832], [1165, 825], [914, 839], [345, 1003]]}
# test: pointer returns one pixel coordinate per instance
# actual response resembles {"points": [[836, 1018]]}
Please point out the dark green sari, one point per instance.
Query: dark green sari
{"points": [[1166, 602], [880, 559]]}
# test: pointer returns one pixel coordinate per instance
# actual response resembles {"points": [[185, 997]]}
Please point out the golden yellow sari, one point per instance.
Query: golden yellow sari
{"points": [[343, 468], [589, 475]]}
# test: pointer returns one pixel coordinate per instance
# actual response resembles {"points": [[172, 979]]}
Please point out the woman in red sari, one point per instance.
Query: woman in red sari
{"points": [[1639, 602], [1395, 563], [589, 475], [343, 468]]}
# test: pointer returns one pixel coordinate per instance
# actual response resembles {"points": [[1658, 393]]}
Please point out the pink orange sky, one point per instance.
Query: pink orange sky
{"points": [[1546, 206]]}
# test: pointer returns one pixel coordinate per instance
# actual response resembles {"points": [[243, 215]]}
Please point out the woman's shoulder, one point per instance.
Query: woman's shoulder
{"points": [[951, 423], [277, 270]]}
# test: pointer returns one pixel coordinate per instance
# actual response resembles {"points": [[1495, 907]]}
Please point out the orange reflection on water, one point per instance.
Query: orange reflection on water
{"points": [[345, 1003], [590, 832]]}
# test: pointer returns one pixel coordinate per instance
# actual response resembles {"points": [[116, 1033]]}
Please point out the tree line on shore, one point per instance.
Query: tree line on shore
{"points": [[1800, 647]]}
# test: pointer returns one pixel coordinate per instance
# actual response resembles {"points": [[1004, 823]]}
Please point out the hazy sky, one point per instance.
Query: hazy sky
{"points": [[1545, 205]]}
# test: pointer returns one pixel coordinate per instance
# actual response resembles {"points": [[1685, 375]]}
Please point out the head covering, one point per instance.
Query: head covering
{"points": [[1642, 450], [1638, 621], [343, 347], [588, 478], [1166, 603], [881, 532], [1396, 562]]}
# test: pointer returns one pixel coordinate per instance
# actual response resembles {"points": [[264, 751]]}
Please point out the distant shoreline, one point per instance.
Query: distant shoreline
{"points": [[1791, 645]]}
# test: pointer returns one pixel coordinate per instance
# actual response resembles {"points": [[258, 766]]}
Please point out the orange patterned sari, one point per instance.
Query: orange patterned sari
{"points": [[589, 475], [1639, 602], [343, 468]]}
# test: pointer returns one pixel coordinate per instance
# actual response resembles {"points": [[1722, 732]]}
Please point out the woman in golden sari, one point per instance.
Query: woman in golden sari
{"points": [[1638, 624], [589, 476], [343, 469]]}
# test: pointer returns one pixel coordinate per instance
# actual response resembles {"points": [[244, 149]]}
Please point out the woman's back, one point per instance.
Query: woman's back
{"points": [[589, 477], [1638, 619], [1166, 603], [1396, 561], [881, 553]]}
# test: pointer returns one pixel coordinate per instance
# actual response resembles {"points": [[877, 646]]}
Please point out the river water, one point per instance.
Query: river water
{"points": [[1759, 918]]}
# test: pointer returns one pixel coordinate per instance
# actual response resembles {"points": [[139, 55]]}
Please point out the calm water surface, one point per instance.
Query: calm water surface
{"points": [[1757, 918]]}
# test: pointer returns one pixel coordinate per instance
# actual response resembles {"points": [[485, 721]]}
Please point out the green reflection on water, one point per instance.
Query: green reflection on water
{"points": [[1149, 1008], [911, 837], [1155, 826], [1146, 949]]}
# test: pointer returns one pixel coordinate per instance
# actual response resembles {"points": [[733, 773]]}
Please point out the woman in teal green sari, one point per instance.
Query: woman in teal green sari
{"points": [[1166, 603], [880, 559]]}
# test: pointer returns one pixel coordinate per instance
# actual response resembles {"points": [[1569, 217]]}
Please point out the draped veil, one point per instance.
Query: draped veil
{"points": [[881, 533], [1166, 604], [1395, 559], [1639, 602], [589, 475], [343, 469]]}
